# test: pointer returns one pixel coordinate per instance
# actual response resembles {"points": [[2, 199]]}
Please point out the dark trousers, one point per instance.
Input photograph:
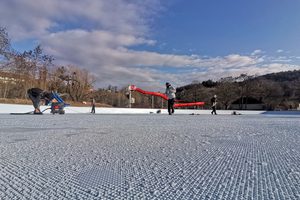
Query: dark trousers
{"points": [[171, 106], [93, 109], [36, 100], [213, 110]]}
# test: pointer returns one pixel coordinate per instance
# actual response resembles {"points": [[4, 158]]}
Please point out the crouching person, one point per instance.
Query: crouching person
{"points": [[35, 95]]}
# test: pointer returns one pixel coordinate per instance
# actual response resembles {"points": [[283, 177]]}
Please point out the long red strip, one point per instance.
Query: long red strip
{"points": [[151, 93], [165, 97], [188, 104]]}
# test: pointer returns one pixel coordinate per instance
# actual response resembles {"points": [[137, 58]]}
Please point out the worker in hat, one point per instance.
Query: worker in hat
{"points": [[214, 104], [170, 93]]}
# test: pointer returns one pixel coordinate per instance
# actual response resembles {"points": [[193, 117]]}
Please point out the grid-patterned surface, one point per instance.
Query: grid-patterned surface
{"points": [[149, 157]]}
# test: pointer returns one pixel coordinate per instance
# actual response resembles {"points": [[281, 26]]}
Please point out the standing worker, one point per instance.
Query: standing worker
{"points": [[93, 104], [214, 104], [170, 93], [35, 95]]}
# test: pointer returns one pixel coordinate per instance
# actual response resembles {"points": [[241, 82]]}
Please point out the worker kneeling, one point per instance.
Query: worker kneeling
{"points": [[35, 95]]}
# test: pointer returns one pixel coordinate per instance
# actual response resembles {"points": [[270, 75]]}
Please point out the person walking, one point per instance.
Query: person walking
{"points": [[214, 104], [93, 104], [35, 95], [170, 93]]}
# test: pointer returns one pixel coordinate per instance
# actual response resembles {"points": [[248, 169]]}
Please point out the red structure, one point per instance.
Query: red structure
{"points": [[132, 87]]}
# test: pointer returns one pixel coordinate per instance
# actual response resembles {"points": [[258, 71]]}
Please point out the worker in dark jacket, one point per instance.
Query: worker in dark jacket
{"points": [[35, 95], [214, 104], [93, 104]]}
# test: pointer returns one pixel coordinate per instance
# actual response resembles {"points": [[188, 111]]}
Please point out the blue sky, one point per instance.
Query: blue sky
{"points": [[149, 42]]}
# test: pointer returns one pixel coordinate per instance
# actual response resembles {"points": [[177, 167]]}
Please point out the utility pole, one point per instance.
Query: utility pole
{"points": [[129, 102], [5, 91], [119, 98], [152, 101]]}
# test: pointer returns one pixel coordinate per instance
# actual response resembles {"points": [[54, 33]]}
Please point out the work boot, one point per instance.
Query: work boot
{"points": [[38, 113]]}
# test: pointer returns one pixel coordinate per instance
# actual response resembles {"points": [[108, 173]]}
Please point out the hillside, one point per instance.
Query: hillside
{"points": [[283, 76]]}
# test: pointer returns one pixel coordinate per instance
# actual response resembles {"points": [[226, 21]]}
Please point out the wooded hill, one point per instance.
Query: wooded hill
{"points": [[277, 91], [283, 76]]}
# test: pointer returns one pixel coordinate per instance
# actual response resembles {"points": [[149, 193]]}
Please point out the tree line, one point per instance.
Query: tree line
{"points": [[277, 91], [20, 71]]}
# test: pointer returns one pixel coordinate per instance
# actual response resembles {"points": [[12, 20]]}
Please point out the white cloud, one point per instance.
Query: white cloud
{"points": [[106, 55], [255, 52], [277, 59], [278, 67], [110, 49], [31, 19], [279, 50]]}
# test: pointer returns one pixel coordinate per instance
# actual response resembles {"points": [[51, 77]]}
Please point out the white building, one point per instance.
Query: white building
{"points": [[249, 103]]}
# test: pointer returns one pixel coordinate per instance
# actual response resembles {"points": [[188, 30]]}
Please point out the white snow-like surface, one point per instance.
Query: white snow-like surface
{"points": [[86, 156], [20, 108]]}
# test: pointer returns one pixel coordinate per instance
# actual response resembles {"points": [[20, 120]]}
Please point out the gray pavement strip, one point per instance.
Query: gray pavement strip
{"points": [[23, 129]]}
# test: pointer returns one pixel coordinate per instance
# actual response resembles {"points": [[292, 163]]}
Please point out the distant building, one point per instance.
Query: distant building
{"points": [[249, 103], [6, 77]]}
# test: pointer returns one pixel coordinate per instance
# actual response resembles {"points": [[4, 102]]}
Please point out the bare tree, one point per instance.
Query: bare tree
{"points": [[269, 92], [226, 91], [58, 82], [31, 69], [81, 83], [196, 93], [245, 88], [6, 51]]}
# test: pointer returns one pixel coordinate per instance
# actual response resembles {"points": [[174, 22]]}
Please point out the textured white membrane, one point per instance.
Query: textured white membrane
{"points": [[85, 156]]}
